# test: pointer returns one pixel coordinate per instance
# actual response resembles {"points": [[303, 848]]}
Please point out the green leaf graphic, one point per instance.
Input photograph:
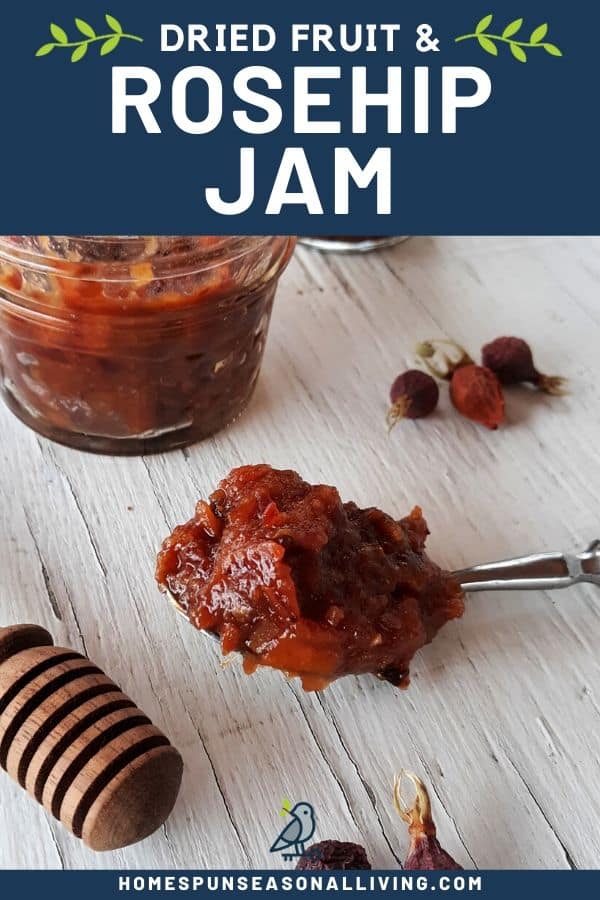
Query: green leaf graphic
{"points": [[488, 46], [114, 24], [485, 23], [79, 48], [59, 34], [539, 34], [79, 52], [85, 28], [110, 45], [512, 28], [491, 41]]}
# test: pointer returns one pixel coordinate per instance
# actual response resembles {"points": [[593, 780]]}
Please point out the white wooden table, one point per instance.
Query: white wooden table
{"points": [[503, 715]]}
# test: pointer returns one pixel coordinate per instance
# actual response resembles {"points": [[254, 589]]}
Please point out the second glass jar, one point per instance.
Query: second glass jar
{"points": [[351, 244]]}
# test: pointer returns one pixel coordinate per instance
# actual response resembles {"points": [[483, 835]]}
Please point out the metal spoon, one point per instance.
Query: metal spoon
{"points": [[540, 572]]}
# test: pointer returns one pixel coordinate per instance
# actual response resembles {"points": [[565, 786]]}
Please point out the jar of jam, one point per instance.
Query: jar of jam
{"points": [[129, 345], [350, 244]]}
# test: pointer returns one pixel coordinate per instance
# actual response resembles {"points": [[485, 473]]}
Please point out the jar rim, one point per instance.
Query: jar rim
{"points": [[101, 258]]}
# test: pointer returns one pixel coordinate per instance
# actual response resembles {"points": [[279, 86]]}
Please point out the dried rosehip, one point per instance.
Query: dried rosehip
{"points": [[413, 395], [512, 361], [425, 851], [334, 855], [477, 394]]}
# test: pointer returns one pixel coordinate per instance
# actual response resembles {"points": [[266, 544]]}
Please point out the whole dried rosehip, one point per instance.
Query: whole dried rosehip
{"points": [[413, 395], [477, 394], [425, 851], [334, 855], [512, 361]]}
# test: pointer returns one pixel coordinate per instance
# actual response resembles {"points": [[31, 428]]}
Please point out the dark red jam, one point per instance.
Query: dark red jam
{"points": [[286, 573], [133, 344]]}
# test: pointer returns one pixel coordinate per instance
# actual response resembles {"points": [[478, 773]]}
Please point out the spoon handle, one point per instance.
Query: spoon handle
{"points": [[542, 571]]}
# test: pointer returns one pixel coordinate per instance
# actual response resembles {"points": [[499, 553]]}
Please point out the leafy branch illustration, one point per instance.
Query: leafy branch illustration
{"points": [[286, 807], [518, 48], [109, 41]]}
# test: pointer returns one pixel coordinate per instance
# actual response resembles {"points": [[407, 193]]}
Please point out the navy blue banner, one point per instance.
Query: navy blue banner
{"points": [[235, 118], [110, 885]]}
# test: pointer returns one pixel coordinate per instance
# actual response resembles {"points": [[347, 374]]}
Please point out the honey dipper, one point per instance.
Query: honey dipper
{"points": [[79, 746]]}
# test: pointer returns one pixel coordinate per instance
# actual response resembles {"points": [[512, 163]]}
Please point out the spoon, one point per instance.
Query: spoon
{"points": [[539, 572]]}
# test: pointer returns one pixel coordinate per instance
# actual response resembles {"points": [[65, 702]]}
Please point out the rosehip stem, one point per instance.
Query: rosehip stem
{"points": [[396, 412], [425, 851], [555, 385], [418, 817]]}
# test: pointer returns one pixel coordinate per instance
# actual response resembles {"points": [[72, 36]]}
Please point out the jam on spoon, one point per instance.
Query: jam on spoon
{"points": [[293, 578]]}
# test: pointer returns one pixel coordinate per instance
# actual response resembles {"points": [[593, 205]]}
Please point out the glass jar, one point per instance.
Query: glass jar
{"points": [[351, 244], [129, 345]]}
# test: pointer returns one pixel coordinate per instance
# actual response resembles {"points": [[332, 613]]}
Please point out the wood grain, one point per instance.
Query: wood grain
{"points": [[80, 746], [503, 715]]}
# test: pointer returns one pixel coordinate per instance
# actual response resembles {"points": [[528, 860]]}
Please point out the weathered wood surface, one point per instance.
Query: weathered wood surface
{"points": [[503, 714]]}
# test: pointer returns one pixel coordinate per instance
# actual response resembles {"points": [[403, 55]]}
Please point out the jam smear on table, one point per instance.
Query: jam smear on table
{"points": [[286, 573]]}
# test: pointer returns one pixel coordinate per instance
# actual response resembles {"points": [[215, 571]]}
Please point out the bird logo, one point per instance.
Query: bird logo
{"points": [[292, 839]]}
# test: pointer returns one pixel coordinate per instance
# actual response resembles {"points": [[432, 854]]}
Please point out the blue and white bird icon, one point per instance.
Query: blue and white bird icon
{"points": [[297, 832]]}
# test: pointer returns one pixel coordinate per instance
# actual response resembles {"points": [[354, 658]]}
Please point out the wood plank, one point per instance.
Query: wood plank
{"points": [[502, 717]]}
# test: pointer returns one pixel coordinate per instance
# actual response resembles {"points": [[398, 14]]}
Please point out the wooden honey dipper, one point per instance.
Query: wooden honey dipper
{"points": [[81, 747]]}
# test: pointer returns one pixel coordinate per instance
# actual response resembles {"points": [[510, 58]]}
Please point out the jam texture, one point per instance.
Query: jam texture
{"points": [[128, 345], [286, 573]]}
